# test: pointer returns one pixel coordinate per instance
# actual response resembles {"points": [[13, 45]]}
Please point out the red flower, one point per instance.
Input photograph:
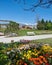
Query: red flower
{"points": [[25, 63], [47, 64], [46, 55]]}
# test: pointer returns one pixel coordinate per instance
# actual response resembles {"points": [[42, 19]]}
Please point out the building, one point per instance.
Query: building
{"points": [[21, 26], [3, 25], [1, 34]]}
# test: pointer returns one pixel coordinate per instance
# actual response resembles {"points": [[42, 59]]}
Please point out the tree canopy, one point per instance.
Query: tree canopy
{"points": [[44, 25], [12, 27]]}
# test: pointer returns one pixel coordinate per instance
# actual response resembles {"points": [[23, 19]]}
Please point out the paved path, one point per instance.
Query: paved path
{"points": [[8, 39]]}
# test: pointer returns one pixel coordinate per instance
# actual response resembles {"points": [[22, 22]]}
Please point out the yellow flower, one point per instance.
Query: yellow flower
{"points": [[29, 51], [28, 56], [46, 48], [25, 55], [33, 53], [50, 50]]}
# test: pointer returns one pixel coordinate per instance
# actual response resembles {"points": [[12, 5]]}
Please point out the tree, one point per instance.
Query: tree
{"points": [[12, 27], [49, 25], [39, 3], [41, 25], [42, 21], [46, 22], [44, 25]]}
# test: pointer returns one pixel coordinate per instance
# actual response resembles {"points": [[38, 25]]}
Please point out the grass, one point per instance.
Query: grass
{"points": [[37, 32], [23, 32], [2, 30], [48, 40]]}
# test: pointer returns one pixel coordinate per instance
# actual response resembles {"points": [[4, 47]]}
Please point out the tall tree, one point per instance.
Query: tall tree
{"points": [[42, 21], [12, 27], [41, 25], [46, 22]]}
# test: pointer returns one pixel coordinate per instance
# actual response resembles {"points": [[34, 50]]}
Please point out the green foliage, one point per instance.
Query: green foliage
{"points": [[40, 26], [15, 54], [12, 27], [44, 25]]}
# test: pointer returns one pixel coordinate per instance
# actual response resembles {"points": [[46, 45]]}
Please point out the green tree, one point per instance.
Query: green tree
{"points": [[49, 25], [42, 21], [46, 22], [12, 27], [41, 25], [44, 25]]}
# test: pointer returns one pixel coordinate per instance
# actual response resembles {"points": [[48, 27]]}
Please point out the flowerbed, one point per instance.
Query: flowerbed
{"points": [[32, 54], [28, 54]]}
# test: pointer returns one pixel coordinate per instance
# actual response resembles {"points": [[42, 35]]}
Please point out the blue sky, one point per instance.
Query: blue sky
{"points": [[10, 10]]}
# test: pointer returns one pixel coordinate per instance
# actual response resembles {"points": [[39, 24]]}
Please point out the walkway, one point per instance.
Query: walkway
{"points": [[8, 39]]}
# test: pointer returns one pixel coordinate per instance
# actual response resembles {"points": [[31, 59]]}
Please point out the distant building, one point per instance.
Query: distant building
{"points": [[27, 26], [21, 26], [3, 25], [1, 34]]}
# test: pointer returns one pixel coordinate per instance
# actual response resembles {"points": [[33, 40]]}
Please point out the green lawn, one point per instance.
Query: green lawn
{"points": [[37, 32], [24, 31], [48, 40], [2, 30]]}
